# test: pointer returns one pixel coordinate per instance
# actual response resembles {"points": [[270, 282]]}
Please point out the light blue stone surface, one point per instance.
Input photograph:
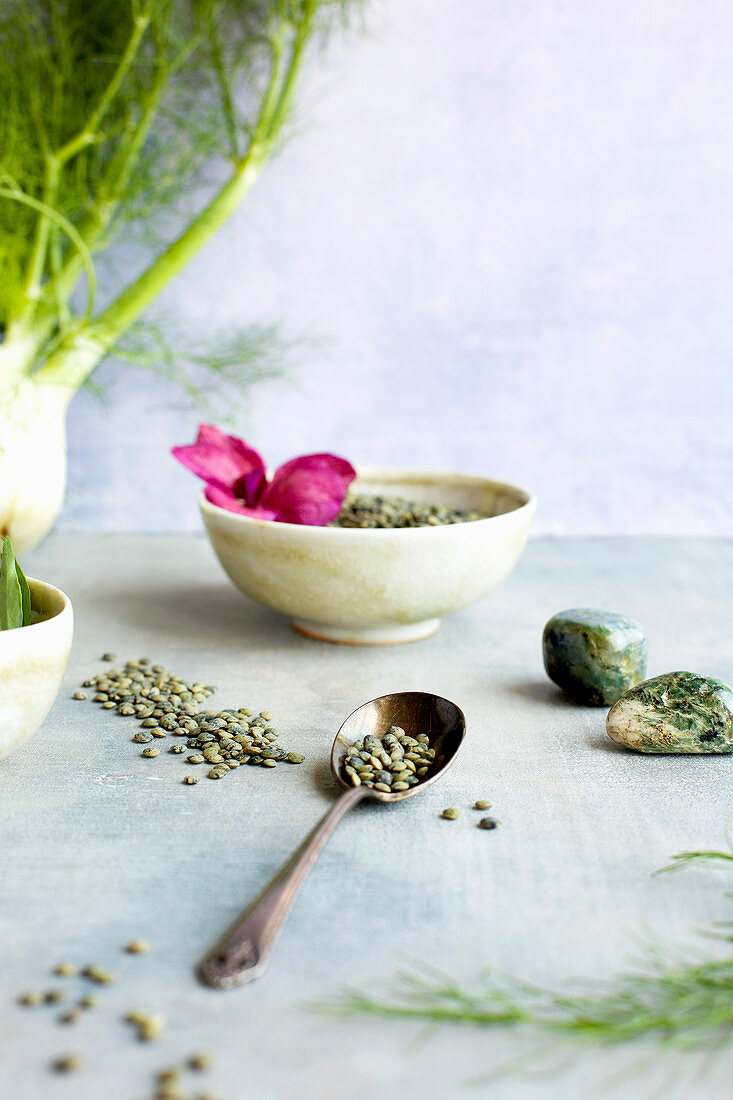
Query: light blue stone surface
{"points": [[98, 846]]}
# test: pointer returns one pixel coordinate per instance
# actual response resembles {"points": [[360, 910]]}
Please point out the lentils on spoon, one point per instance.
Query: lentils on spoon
{"points": [[395, 762]]}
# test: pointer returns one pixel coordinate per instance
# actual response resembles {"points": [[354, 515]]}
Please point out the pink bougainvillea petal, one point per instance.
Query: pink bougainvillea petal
{"points": [[218, 458], [251, 487], [310, 489], [250, 458], [211, 464], [223, 498]]}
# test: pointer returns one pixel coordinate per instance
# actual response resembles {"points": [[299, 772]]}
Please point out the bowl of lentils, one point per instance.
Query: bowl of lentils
{"points": [[406, 548]]}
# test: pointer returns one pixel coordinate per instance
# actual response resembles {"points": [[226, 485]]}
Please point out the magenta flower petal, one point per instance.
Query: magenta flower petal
{"points": [[251, 459], [251, 487], [310, 489], [222, 498], [219, 458]]}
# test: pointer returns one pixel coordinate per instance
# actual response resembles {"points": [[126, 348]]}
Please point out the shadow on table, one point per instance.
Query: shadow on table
{"points": [[540, 691], [213, 613]]}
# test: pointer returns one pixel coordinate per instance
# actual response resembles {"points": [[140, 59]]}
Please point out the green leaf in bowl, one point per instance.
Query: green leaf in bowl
{"points": [[11, 590]]}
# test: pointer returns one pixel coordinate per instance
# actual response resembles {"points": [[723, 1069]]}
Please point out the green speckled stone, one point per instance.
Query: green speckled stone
{"points": [[677, 712], [594, 656]]}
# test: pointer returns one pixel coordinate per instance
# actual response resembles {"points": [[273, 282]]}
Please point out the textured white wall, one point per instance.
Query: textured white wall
{"points": [[512, 219]]}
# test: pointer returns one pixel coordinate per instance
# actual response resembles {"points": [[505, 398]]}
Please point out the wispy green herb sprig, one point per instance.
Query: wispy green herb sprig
{"points": [[683, 1003]]}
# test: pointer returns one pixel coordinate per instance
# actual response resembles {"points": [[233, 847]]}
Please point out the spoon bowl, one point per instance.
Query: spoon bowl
{"points": [[243, 953], [416, 712]]}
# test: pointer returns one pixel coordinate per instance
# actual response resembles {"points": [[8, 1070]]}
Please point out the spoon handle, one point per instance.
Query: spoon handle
{"points": [[243, 953]]}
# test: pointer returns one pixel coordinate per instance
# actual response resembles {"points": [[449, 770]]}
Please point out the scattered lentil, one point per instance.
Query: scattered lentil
{"points": [[53, 996], [109, 656], [89, 1002], [70, 1017], [150, 752], [79, 695], [30, 999], [481, 805], [65, 970], [137, 947], [98, 975], [488, 823], [451, 814], [199, 1062], [149, 1028], [168, 1076], [68, 1063]]}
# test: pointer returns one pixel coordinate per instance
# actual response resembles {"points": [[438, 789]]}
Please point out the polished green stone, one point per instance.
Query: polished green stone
{"points": [[677, 712], [594, 656]]}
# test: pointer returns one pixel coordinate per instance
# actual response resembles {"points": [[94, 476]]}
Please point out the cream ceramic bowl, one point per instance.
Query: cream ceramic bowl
{"points": [[375, 586], [33, 660]]}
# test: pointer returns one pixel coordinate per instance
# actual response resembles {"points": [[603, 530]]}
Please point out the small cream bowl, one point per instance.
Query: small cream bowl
{"points": [[377, 586], [33, 660]]}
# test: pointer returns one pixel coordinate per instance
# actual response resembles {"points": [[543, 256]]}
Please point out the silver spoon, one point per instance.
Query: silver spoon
{"points": [[243, 953]]}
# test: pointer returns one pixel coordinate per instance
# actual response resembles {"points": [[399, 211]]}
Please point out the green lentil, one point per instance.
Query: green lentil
{"points": [[65, 970], [481, 805], [30, 999], [98, 975], [70, 1017], [451, 814], [137, 947], [79, 695], [199, 1062], [488, 823], [68, 1063], [89, 1002], [53, 996], [109, 656], [150, 752], [189, 780]]}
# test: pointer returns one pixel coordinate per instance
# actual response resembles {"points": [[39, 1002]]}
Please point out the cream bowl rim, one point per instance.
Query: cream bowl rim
{"points": [[374, 472]]}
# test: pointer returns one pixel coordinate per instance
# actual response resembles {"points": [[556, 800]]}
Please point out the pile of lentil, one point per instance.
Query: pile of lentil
{"points": [[367, 510], [166, 705], [395, 762]]}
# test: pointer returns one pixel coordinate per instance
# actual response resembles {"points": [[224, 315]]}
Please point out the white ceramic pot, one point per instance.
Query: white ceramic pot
{"points": [[33, 660], [378, 586]]}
